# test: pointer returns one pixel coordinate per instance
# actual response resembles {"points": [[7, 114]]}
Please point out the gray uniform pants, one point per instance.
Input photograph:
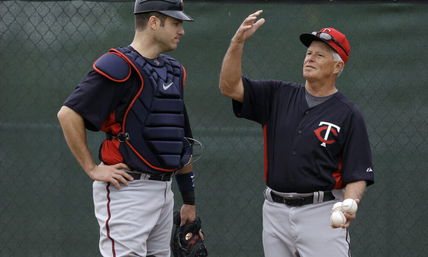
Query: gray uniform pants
{"points": [[303, 231], [135, 220]]}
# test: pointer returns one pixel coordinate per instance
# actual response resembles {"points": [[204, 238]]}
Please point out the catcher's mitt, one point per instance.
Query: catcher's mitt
{"points": [[186, 241]]}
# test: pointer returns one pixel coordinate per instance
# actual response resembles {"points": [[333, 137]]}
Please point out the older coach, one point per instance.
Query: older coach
{"points": [[317, 150]]}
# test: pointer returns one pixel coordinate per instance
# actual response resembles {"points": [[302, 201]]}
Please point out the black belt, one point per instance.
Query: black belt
{"points": [[300, 200], [151, 176]]}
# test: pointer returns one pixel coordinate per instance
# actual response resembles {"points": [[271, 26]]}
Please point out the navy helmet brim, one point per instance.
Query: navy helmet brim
{"points": [[179, 15]]}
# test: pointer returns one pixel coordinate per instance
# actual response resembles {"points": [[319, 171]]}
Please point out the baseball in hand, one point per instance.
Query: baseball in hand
{"points": [[337, 206], [337, 218], [349, 206]]}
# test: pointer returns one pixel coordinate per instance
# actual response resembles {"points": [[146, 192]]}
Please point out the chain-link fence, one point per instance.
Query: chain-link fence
{"points": [[46, 47]]}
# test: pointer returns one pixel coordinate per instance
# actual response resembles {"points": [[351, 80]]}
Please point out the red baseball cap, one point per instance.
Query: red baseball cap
{"points": [[332, 37]]}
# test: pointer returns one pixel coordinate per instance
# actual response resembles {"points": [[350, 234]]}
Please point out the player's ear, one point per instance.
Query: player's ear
{"points": [[153, 22], [338, 67]]}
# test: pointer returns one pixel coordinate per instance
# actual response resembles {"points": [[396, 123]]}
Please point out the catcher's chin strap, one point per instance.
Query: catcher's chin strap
{"points": [[186, 241]]}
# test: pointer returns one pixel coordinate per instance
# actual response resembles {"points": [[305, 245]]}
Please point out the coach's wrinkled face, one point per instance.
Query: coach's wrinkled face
{"points": [[319, 63]]}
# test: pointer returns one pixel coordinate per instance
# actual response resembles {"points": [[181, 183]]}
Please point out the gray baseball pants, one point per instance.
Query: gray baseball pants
{"points": [[302, 231], [135, 220]]}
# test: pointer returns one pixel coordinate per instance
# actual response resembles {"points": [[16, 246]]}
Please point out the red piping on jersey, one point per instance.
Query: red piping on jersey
{"points": [[265, 152], [184, 76], [337, 175], [109, 77], [129, 108], [108, 219]]}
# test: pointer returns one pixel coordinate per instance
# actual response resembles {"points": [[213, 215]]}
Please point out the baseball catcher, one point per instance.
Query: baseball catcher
{"points": [[187, 240]]}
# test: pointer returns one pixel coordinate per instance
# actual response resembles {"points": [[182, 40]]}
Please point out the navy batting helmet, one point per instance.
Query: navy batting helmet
{"points": [[172, 8]]}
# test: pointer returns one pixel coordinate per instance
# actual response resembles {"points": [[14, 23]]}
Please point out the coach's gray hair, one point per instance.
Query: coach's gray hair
{"points": [[337, 58]]}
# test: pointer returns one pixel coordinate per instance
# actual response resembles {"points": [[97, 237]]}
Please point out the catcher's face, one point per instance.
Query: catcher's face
{"points": [[168, 36]]}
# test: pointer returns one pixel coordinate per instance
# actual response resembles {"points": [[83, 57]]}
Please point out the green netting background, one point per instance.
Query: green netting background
{"points": [[46, 47]]}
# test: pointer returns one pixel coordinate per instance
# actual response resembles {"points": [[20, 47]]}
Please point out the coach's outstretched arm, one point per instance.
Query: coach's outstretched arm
{"points": [[231, 75]]}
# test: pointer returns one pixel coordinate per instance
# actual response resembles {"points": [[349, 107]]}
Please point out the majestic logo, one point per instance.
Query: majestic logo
{"points": [[165, 87], [327, 127]]}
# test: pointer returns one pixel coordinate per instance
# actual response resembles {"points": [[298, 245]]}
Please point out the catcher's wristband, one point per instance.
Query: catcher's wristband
{"points": [[186, 185], [186, 182], [188, 197]]}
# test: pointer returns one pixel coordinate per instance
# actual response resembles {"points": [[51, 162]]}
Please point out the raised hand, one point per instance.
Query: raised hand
{"points": [[248, 27]]}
